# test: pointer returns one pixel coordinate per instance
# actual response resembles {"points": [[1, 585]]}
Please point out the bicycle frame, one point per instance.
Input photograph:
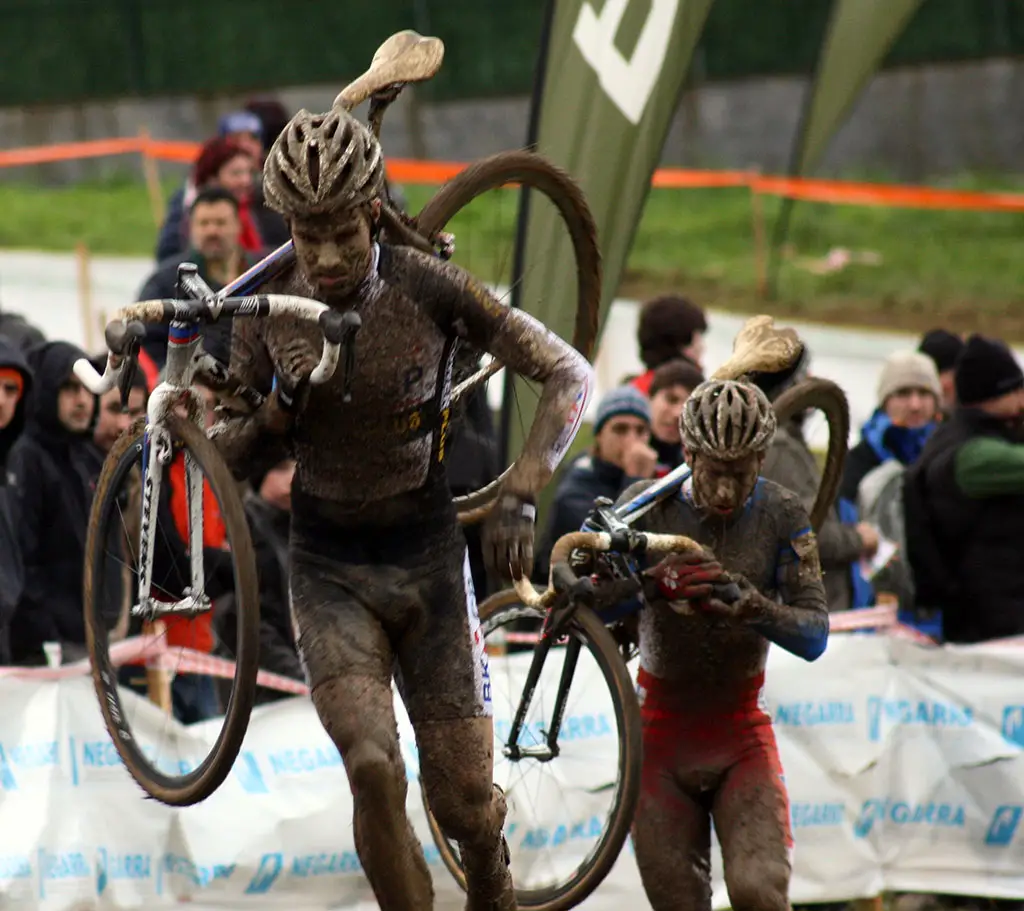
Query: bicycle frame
{"points": [[182, 363], [607, 518]]}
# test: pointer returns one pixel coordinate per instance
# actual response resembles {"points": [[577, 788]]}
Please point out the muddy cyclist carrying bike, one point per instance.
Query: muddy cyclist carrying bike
{"points": [[378, 561]]}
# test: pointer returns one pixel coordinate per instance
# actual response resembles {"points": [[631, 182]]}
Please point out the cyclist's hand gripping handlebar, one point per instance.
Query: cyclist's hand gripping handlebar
{"points": [[598, 541]]}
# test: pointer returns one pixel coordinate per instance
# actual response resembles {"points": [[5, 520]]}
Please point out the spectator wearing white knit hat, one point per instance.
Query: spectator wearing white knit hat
{"points": [[909, 394]]}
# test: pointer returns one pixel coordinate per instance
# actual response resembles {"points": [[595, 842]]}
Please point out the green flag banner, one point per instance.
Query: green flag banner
{"points": [[860, 34], [613, 75]]}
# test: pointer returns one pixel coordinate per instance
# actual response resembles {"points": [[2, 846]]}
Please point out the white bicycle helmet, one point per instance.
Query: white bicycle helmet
{"points": [[727, 420], [322, 163]]}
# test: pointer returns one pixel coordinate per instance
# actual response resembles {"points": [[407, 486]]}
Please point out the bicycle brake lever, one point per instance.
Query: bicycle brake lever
{"points": [[571, 592], [129, 366], [352, 323]]}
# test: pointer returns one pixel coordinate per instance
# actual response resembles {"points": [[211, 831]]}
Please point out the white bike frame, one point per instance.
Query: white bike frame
{"points": [[186, 357]]}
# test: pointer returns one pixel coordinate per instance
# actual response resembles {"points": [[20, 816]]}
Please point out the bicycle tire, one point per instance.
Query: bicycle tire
{"points": [[202, 781], [537, 173], [596, 868], [828, 398]]}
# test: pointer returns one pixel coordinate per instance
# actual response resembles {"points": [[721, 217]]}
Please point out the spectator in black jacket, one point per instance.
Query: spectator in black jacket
{"points": [[964, 502], [19, 332], [619, 457], [53, 469], [15, 386]]}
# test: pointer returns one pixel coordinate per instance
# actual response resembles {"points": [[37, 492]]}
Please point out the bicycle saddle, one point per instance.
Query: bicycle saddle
{"points": [[405, 57], [760, 347]]}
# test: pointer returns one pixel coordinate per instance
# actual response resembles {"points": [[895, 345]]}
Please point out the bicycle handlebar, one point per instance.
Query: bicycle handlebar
{"points": [[128, 326], [600, 541]]}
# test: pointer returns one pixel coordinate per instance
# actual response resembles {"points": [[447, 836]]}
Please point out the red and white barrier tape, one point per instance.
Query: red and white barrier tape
{"points": [[154, 652]]}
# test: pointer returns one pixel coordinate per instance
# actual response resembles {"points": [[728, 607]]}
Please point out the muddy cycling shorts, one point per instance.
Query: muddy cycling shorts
{"points": [[704, 750], [391, 600]]}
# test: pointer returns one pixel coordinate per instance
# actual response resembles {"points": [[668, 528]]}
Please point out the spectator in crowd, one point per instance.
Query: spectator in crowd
{"points": [[943, 348], [268, 510], [670, 327], [54, 468], [244, 128], [113, 420], [619, 457], [226, 164], [273, 119], [908, 401], [842, 541], [241, 129], [15, 386], [964, 501], [671, 385], [215, 248], [19, 332]]}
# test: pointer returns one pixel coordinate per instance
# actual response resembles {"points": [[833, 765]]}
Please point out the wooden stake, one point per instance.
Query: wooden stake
{"points": [[152, 174], [158, 680], [757, 223], [85, 297]]}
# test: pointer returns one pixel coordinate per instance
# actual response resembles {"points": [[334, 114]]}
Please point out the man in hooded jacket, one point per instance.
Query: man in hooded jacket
{"points": [[15, 386], [53, 470]]}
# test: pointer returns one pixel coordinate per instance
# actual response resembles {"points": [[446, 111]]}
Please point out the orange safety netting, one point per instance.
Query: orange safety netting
{"points": [[835, 192]]}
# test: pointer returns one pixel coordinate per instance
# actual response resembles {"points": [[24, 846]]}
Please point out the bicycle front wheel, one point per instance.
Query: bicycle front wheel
{"points": [[566, 832], [182, 771]]}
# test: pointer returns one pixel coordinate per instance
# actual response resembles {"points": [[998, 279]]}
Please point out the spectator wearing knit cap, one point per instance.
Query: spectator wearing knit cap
{"points": [[619, 457], [909, 393], [944, 348], [670, 327], [964, 501]]}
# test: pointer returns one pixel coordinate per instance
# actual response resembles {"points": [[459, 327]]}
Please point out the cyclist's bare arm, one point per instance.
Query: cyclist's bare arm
{"points": [[458, 302]]}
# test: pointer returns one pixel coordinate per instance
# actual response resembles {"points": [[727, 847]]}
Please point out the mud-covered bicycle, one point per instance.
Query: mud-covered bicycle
{"points": [[589, 626], [170, 447]]}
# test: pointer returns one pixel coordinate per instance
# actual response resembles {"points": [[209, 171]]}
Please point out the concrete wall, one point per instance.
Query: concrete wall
{"points": [[911, 124]]}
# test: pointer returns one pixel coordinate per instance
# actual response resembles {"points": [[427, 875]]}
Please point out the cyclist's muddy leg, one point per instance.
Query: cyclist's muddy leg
{"points": [[457, 768], [672, 841], [751, 813], [358, 714], [349, 661]]}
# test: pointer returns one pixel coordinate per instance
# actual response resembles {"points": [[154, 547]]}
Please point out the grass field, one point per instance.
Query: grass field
{"points": [[962, 269]]}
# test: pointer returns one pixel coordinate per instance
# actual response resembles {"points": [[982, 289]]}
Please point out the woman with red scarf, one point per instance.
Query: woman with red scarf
{"points": [[227, 164]]}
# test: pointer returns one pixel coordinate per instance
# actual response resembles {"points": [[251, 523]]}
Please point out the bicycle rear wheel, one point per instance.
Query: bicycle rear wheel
{"points": [[825, 396], [533, 171], [580, 847], [112, 562]]}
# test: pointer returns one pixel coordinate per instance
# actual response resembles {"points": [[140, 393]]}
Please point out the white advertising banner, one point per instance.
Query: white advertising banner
{"points": [[903, 763]]}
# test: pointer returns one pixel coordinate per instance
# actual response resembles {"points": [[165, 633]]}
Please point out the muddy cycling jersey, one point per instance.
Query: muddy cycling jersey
{"points": [[386, 441], [708, 744]]}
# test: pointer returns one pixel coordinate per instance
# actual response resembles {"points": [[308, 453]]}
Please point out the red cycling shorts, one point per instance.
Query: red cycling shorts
{"points": [[710, 750]]}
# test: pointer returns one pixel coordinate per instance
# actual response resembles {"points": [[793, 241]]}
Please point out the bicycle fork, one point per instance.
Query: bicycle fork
{"points": [[549, 749]]}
